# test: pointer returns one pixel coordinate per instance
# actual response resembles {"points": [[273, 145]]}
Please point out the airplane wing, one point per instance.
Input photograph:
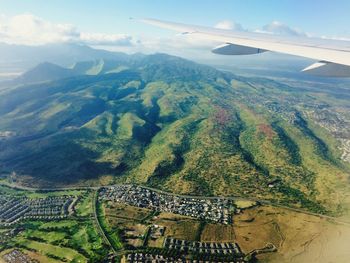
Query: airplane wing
{"points": [[333, 56]]}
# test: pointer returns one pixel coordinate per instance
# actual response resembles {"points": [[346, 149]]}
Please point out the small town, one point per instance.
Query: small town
{"points": [[14, 209], [217, 248], [212, 209], [142, 257], [16, 256]]}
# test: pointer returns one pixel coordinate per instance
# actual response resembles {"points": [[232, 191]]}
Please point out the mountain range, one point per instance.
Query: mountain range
{"points": [[16, 59], [170, 123]]}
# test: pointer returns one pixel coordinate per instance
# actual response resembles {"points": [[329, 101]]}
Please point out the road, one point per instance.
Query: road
{"points": [[97, 222], [260, 201], [233, 198]]}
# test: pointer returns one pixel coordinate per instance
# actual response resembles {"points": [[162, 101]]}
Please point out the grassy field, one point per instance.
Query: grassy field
{"points": [[62, 253], [56, 224], [49, 237], [32, 255], [84, 207], [79, 236], [111, 232], [74, 239], [7, 188]]}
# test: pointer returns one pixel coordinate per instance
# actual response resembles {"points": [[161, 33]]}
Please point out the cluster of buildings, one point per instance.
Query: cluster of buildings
{"points": [[212, 209], [214, 248], [141, 257], [13, 209], [16, 256]]}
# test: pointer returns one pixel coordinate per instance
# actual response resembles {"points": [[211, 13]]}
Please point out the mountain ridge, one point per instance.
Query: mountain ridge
{"points": [[173, 124]]}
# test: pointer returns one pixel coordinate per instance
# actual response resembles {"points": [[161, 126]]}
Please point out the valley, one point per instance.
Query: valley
{"points": [[169, 123], [159, 157]]}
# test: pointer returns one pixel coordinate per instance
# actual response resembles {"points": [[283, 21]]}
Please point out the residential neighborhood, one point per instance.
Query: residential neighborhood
{"points": [[152, 225], [142, 257], [16, 256], [218, 248], [212, 209], [14, 209]]}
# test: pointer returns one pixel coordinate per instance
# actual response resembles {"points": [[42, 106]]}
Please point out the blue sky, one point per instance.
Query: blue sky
{"points": [[320, 17], [106, 24]]}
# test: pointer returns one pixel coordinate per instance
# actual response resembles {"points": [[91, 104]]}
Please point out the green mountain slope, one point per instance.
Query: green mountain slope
{"points": [[172, 124]]}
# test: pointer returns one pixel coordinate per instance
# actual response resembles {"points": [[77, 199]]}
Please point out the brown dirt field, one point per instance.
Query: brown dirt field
{"points": [[177, 226], [157, 242], [134, 230], [136, 242], [126, 211], [127, 219], [41, 258], [299, 237], [216, 232]]}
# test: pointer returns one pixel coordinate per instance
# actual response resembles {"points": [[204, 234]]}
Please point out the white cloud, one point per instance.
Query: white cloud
{"points": [[344, 38], [29, 29], [106, 39], [229, 25], [32, 30], [278, 28]]}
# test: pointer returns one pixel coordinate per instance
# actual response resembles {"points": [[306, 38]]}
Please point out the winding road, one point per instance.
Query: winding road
{"points": [[233, 198]]}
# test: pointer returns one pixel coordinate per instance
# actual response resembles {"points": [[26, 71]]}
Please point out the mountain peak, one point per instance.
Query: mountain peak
{"points": [[45, 71]]}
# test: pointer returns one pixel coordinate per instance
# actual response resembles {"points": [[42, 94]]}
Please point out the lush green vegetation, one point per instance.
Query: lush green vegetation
{"points": [[110, 232], [69, 240], [176, 125]]}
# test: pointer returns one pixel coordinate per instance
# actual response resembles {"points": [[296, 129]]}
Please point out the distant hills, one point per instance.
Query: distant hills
{"points": [[44, 72], [62, 54], [173, 124], [17, 59]]}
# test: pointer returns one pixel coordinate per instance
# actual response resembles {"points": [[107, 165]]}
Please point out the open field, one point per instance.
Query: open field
{"points": [[218, 233], [177, 226], [84, 207], [57, 224], [133, 223], [32, 255], [126, 211], [73, 239], [298, 237], [109, 230], [5, 188], [48, 249], [66, 239]]}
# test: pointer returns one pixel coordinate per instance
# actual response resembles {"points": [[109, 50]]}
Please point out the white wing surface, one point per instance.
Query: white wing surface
{"points": [[333, 56]]}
